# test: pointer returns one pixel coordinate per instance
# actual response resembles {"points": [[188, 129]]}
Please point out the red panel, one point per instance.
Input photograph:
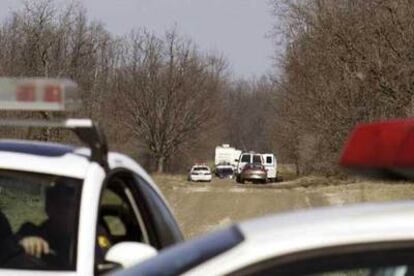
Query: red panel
{"points": [[52, 93], [388, 144], [26, 93]]}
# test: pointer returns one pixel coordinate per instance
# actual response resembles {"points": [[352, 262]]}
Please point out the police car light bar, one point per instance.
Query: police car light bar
{"points": [[384, 149], [38, 94]]}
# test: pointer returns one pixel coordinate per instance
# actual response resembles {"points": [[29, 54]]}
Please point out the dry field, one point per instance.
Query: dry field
{"points": [[201, 207]]}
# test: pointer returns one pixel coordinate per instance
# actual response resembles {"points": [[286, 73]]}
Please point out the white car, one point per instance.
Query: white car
{"points": [[70, 210], [200, 173], [374, 239]]}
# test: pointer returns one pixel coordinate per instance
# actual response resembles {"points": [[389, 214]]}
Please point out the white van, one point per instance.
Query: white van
{"points": [[270, 163], [246, 158]]}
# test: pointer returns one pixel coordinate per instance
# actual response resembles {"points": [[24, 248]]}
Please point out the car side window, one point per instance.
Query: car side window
{"points": [[117, 217], [269, 160], [379, 259], [165, 230], [131, 210]]}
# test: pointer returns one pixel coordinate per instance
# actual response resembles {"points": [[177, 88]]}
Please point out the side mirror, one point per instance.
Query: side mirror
{"points": [[236, 160], [129, 253]]}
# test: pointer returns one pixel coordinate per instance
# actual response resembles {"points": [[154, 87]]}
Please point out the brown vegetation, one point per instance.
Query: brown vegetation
{"points": [[345, 62]]}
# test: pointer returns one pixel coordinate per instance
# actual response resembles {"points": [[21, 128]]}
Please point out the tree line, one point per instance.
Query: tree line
{"points": [[167, 102], [160, 98], [345, 61]]}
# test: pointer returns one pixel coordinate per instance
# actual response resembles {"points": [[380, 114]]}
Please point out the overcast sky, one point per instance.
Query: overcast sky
{"points": [[236, 28]]}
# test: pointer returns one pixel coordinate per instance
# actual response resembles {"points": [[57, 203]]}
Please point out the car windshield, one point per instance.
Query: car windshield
{"points": [[201, 169], [38, 221]]}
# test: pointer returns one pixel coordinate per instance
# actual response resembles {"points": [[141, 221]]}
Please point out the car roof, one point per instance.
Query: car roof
{"points": [[224, 167], [59, 159], [201, 166], [35, 147], [43, 157], [365, 215], [277, 235]]}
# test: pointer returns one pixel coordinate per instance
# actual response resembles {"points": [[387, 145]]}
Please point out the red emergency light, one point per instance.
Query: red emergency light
{"points": [[26, 93], [385, 147], [38, 94], [52, 93]]}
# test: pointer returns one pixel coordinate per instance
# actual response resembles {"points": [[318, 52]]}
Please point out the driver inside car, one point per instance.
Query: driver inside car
{"points": [[54, 236], [11, 254]]}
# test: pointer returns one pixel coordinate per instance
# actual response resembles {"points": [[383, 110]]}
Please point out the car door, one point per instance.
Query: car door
{"points": [[269, 163], [244, 159]]}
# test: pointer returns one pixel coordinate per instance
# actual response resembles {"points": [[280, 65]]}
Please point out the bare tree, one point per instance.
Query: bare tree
{"points": [[166, 87]]}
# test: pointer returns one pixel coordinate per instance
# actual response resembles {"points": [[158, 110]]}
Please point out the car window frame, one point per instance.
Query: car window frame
{"points": [[167, 220], [130, 201], [141, 191]]}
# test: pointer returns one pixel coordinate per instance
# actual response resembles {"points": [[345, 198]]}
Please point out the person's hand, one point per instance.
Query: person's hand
{"points": [[35, 246]]}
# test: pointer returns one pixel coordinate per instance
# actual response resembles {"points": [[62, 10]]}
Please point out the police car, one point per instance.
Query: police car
{"points": [[71, 210], [365, 239], [200, 172]]}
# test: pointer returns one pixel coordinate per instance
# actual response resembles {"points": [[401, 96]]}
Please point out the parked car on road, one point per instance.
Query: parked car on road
{"points": [[254, 172], [224, 171], [200, 173]]}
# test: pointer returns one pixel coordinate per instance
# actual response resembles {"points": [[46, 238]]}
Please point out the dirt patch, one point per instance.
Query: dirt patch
{"points": [[203, 207]]}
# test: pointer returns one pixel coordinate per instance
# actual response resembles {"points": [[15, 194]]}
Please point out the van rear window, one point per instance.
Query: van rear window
{"points": [[246, 158], [257, 159]]}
